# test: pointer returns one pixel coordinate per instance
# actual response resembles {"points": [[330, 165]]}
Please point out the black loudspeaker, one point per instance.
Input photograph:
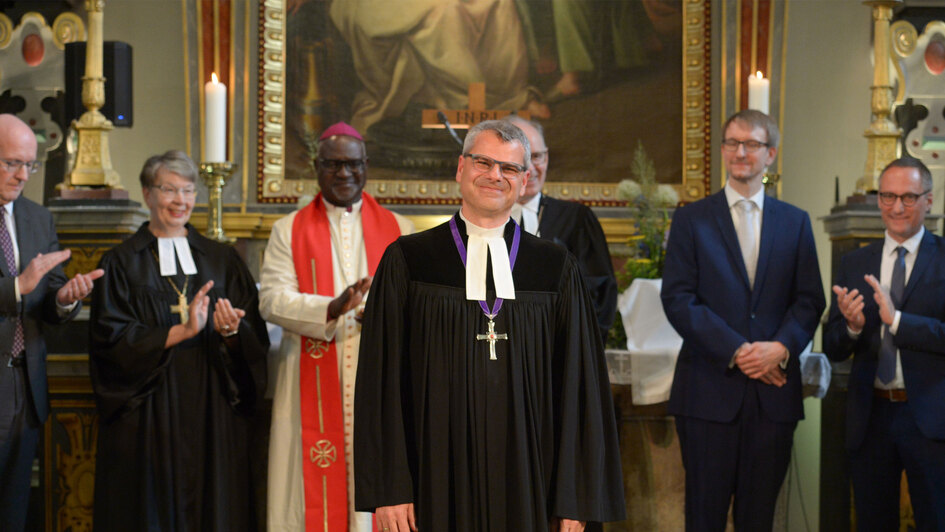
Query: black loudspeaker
{"points": [[116, 68]]}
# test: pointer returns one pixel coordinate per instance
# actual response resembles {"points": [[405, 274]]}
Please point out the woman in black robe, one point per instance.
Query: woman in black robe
{"points": [[175, 384]]}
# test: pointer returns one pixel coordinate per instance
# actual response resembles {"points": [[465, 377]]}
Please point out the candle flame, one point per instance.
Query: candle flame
{"points": [[759, 75], [213, 76]]}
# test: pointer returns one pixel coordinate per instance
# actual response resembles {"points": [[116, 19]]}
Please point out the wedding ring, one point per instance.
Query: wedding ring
{"points": [[226, 327]]}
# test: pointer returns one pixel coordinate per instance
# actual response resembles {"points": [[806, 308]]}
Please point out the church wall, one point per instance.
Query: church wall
{"points": [[826, 110], [154, 29]]}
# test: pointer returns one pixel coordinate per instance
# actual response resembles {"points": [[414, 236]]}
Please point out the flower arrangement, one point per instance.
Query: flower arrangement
{"points": [[649, 204]]}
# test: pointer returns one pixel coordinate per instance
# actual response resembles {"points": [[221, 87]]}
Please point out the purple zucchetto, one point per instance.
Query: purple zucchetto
{"points": [[341, 128]]}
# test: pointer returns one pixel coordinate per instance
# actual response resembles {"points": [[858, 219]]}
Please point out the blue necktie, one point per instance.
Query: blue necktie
{"points": [[887, 352]]}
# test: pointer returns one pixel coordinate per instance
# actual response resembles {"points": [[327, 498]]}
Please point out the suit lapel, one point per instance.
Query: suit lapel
{"points": [[875, 264], [928, 248], [723, 217], [26, 240], [544, 216]]}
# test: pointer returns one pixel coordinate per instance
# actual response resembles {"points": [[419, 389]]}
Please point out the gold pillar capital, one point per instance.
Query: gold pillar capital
{"points": [[94, 6]]}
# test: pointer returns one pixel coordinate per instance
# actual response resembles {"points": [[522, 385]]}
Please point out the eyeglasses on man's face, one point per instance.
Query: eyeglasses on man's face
{"points": [[13, 166], [750, 145], [335, 165], [908, 199], [169, 192], [539, 157], [484, 164]]}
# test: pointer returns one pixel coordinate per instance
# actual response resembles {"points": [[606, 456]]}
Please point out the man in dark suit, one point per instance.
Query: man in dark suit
{"points": [[568, 223], [888, 311], [33, 290], [741, 285]]}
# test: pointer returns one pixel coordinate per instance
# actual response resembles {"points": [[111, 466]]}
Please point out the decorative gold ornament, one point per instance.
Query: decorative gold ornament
{"points": [[68, 27], [316, 348], [76, 468], [323, 454], [215, 176]]}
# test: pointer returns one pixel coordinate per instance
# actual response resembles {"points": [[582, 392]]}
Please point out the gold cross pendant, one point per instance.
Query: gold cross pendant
{"points": [[181, 308]]}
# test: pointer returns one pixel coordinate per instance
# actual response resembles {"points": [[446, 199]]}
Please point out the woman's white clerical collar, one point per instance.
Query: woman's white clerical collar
{"points": [[166, 248], [482, 243]]}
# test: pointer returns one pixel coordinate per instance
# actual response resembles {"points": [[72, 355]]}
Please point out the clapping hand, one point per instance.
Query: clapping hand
{"points": [[349, 299], [887, 310], [226, 318], [850, 303], [198, 310]]}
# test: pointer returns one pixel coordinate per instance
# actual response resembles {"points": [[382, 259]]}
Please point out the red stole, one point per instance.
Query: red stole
{"points": [[323, 444]]}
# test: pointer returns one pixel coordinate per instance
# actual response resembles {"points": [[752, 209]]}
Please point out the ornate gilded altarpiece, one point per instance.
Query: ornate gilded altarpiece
{"points": [[372, 64]]}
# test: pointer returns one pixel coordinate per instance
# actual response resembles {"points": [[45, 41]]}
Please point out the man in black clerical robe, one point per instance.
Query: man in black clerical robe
{"points": [[569, 223], [174, 422], [447, 438]]}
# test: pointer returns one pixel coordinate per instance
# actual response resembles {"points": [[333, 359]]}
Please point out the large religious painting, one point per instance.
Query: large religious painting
{"points": [[602, 77]]}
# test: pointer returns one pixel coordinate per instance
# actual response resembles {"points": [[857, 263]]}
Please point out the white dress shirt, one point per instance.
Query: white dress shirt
{"points": [[526, 214]]}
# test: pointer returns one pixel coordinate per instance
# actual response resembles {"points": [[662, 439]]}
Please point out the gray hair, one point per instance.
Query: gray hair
{"points": [[756, 119], [518, 119], [911, 162], [174, 161], [505, 130]]}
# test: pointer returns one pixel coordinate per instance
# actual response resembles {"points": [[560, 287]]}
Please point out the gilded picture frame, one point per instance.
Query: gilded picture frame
{"points": [[591, 145]]}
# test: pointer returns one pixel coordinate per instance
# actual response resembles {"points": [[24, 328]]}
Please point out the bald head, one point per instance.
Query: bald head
{"points": [[17, 145], [14, 130]]}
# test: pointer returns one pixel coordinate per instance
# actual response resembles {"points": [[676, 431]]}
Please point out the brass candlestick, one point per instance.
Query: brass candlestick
{"points": [[215, 176]]}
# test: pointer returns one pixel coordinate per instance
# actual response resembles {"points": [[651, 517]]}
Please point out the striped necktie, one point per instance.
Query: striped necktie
{"points": [[6, 244]]}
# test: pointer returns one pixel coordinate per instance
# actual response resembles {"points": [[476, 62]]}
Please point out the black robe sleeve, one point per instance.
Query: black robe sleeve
{"points": [[382, 468], [588, 483], [243, 363], [126, 348], [575, 226]]}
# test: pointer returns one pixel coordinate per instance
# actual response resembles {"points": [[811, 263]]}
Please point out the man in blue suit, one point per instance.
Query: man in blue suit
{"points": [[741, 285], [888, 311]]}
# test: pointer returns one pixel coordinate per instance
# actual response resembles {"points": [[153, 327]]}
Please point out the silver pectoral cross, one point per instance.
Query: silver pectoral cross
{"points": [[181, 308], [492, 337]]}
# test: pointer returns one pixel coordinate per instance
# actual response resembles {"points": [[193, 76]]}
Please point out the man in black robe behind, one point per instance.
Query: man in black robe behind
{"points": [[174, 387], [569, 223], [464, 424]]}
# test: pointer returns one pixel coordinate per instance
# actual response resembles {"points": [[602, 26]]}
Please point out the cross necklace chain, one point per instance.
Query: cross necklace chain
{"points": [[490, 335], [181, 308]]}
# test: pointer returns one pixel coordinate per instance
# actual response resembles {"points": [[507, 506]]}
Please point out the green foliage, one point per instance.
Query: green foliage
{"points": [[648, 203]]}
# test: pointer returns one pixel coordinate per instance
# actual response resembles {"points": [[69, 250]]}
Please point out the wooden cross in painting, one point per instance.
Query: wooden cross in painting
{"points": [[467, 118]]}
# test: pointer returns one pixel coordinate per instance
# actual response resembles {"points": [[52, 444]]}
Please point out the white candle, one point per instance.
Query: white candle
{"points": [[214, 121], [758, 89]]}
